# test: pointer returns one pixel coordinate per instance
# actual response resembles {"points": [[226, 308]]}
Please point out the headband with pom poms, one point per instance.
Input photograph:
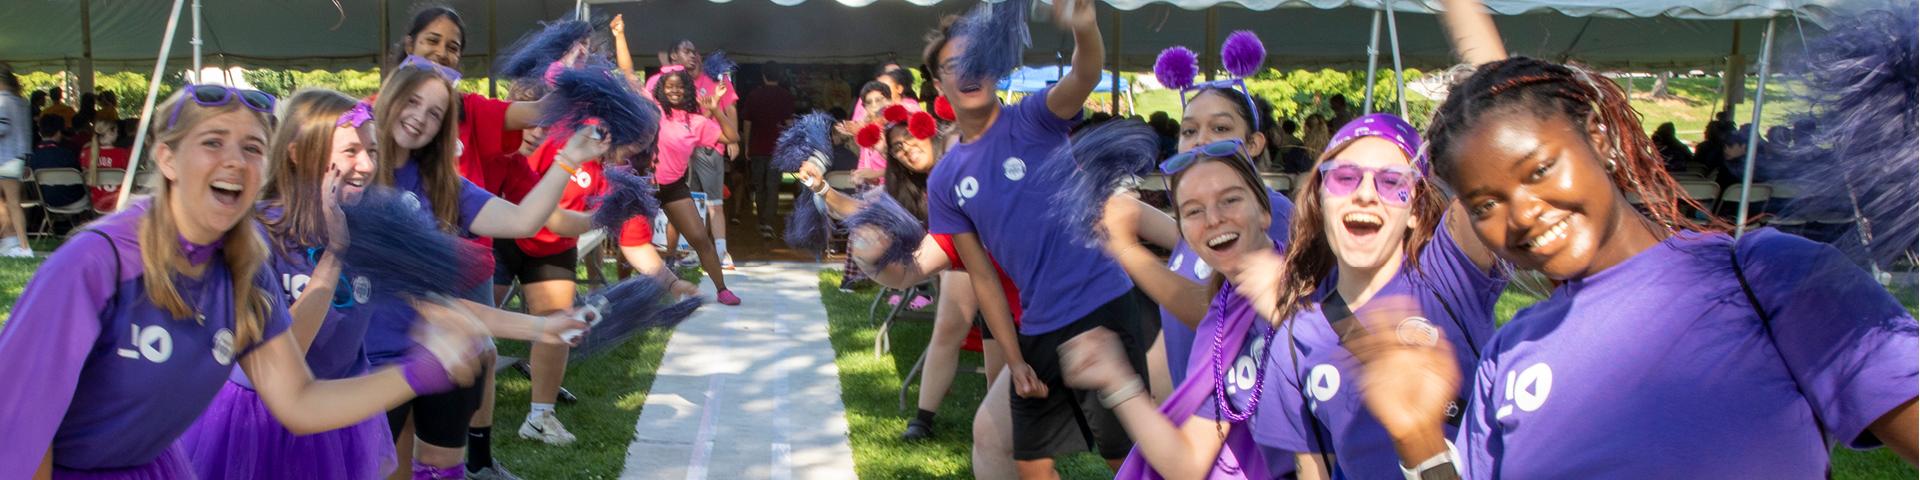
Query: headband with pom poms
{"points": [[1176, 67], [922, 126], [895, 113], [871, 135], [943, 108], [1243, 54]]}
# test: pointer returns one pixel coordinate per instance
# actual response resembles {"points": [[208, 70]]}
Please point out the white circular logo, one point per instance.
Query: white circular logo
{"points": [[156, 345], [1201, 269], [1323, 382], [1015, 167], [297, 284], [1531, 389], [1177, 261], [413, 201], [1417, 331], [967, 188], [362, 290], [223, 346], [582, 179]]}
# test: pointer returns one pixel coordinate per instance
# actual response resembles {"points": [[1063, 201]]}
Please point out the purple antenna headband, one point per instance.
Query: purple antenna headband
{"points": [[1386, 127]]}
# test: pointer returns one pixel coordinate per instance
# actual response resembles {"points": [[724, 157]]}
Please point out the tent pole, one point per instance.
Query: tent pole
{"points": [[86, 48], [146, 110], [1373, 61], [1753, 135], [379, 63], [1117, 57], [493, 52], [1399, 83], [196, 42], [1212, 57]]}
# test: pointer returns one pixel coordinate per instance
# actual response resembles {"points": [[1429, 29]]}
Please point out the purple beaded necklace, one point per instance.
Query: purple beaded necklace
{"points": [[1221, 401]]}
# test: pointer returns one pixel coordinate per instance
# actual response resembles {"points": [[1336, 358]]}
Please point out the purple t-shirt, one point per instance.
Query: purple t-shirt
{"points": [[1318, 378], [1659, 367], [337, 350], [1229, 308], [1179, 338], [97, 371], [387, 334], [978, 188]]}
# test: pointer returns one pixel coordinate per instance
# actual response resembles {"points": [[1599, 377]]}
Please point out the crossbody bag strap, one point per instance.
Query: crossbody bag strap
{"points": [[1766, 328]]}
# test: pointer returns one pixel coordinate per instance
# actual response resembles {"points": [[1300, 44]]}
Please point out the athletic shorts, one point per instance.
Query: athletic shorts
{"points": [[1068, 419], [13, 169], [673, 192], [708, 174], [440, 419], [510, 263]]}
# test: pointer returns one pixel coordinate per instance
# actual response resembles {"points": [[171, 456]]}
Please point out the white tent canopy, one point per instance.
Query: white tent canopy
{"points": [[1640, 34]]}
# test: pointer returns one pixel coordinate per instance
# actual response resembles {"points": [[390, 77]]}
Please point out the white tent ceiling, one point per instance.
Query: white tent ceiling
{"points": [[1646, 34]]}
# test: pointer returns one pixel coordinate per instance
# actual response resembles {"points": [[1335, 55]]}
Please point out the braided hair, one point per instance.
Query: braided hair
{"points": [[1543, 88]]}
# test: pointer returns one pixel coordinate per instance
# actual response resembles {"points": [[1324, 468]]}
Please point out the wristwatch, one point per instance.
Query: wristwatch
{"points": [[1442, 466]]}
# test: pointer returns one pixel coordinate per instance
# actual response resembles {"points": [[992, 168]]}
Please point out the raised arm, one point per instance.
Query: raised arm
{"points": [[1127, 221], [1471, 29], [928, 260], [620, 53], [1089, 56]]}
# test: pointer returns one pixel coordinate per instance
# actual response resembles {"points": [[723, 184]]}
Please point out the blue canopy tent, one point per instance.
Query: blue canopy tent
{"points": [[1033, 79]]}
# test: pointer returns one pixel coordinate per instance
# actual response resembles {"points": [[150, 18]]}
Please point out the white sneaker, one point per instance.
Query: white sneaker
{"points": [[17, 252], [726, 262], [8, 243], [545, 428]]}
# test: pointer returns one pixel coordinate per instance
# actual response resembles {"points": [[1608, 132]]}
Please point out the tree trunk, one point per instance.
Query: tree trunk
{"points": [[1660, 85]]}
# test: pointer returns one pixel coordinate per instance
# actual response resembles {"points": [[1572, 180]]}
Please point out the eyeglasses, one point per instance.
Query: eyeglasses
{"points": [[217, 95], [1393, 184], [1188, 94], [1180, 161], [452, 76]]}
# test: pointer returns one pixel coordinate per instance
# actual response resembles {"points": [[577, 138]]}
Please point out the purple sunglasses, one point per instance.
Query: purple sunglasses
{"points": [[452, 76], [217, 95], [1393, 184]]}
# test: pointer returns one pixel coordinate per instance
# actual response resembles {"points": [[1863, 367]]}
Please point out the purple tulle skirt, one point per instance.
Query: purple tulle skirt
{"points": [[171, 465], [239, 439]]}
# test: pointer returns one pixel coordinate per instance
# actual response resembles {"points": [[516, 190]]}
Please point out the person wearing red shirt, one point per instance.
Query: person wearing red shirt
{"points": [[769, 107], [112, 155]]}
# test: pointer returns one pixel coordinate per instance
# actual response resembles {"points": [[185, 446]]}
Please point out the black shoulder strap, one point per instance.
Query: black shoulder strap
{"points": [[115, 248], [1766, 327]]}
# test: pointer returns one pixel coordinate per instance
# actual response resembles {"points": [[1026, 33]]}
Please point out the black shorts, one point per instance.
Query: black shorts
{"points": [[510, 263], [673, 192], [1067, 419], [440, 419]]}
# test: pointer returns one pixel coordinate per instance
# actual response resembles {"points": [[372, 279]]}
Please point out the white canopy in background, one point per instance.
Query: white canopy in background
{"points": [[1639, 34]]}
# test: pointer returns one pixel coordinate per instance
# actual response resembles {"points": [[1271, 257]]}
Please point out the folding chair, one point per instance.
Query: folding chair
{"points": [[142, 181], [882, 344], [1703, 192], [107, 179], [1729, 204], [71, 213], [1279, 182]]}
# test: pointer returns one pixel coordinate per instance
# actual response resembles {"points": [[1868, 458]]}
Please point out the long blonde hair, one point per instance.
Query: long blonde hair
{"points": [[160, 253], [437, 172], [301, 149]]}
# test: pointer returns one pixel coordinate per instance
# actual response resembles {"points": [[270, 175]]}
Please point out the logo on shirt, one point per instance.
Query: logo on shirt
{"points": [[582, 179], [362, 290], [1177, 261], [1323, 382], [1015, 167], [412, 200], [152, 343], [294, 284], [1246, 368], [967, 188], [1527, 389], [223, 346], [1201, 269], [1417, 331]]}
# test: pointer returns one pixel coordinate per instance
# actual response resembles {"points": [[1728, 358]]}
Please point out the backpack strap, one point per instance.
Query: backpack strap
{"points": [[115, 248], [1766, 327]]}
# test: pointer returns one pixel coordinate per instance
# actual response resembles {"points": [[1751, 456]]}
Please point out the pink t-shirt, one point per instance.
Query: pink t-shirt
{"points": [[679, 135], [872, 159], [703, 87]]}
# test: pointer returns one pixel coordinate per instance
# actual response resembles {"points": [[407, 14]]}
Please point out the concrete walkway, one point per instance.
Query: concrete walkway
{"points": [[748, 392]]}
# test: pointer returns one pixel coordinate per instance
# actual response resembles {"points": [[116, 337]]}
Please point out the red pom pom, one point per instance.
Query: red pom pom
{"points": [[870, 136], [895, 113], [943, 108], [922, 126]]}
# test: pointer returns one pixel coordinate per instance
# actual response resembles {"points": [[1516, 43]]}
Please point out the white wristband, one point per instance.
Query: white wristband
{"points": [[1133, 388], [1449, 459]]}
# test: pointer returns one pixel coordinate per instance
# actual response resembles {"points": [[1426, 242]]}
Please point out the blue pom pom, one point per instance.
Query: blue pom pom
{"points": [[628, 309], [1090, 166], [996, 38], [808, 226], [717, 64], [881, 211], [528, 58], [628, 196], [809, 134], [598, 91], [1860, 78], [403, 250]]}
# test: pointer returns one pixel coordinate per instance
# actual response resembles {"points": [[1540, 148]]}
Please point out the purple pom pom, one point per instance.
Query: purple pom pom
{"points": [[529, 57], [403, 250], [997, 38], [600, 91], [808, 226], [883, 212], [1243, 54], [809, 134], [1091, 166], [628, 196], [717, 64], [628, 309], [1860, 156], [1176, 67]]}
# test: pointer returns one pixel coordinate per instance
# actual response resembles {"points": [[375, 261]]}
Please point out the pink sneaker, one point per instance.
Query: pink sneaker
{"points": [[726, 297]]}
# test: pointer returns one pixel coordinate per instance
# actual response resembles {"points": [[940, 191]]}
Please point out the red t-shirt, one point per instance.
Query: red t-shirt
{"points": [[637, 232], [483, 135], [105, 196], [587, 182]]}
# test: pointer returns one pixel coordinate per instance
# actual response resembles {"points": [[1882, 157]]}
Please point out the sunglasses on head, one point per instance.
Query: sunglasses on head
{"points": [[343, 296], [450, 74], [1180, 161], [217, 95], [1394, 184], [1188, 94]]}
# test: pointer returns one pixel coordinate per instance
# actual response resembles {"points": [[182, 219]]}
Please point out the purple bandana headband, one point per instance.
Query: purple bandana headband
{"points": [[201, 254], [1385, 127], [452, 76], [359, 115]]}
